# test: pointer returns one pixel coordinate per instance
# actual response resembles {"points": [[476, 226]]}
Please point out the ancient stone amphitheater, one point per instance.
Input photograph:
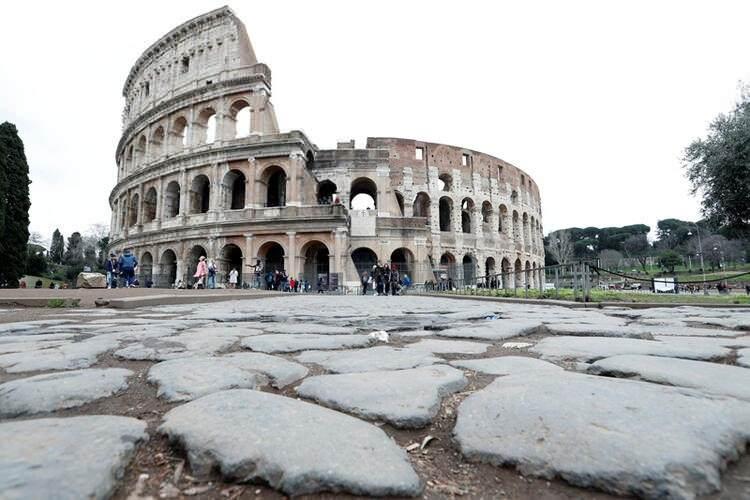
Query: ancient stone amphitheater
{"points": [[204, 170]]}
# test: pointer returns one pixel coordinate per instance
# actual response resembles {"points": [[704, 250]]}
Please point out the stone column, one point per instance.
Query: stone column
{"points": [[139, 208], [184, 193], [291, 258], [249, 249], [159, 202]]}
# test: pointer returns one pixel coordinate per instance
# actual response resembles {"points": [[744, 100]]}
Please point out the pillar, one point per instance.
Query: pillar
{"points": [[291, 257], [184, 192]]}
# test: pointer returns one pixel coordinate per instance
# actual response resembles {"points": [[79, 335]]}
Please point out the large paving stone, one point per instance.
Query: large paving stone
{"points": [[499, 329], [296, 447], [508, 365], [55, 391], [177, 346], [622, 436], [707, 377], [309, 328], [449, 346], [594, 348], [370, 359], [9, 347], [280, 342], [12, 339], [66, 357], [404, 398], [743, 357], [31, 326], [66, 458], [599, 330]]}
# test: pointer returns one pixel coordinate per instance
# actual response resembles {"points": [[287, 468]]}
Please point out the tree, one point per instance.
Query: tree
{"points": [[560, 246], [15, 204], [74, 252], [36, 261], [610, 259], [669, 259], [637, 247], [718, 168], [57, 248]]}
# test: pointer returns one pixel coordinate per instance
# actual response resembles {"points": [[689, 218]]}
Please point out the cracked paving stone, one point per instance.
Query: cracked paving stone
{"points": [[66, 357], [280, 342], [507, 365], [377, 358]]}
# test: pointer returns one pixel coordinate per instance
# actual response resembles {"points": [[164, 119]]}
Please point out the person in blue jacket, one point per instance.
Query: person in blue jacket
{"points": [[128, 264], [113, 269]]}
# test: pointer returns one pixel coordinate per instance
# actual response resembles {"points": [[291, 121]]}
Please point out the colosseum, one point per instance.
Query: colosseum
{"points": [[203, 169]]}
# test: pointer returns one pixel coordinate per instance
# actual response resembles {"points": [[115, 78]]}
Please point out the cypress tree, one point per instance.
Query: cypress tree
{"points": [[57, 248], [15, 204]]}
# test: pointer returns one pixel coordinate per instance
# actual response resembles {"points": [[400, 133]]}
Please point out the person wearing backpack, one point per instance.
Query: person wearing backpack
{"points": [[128, 264], [211, 274]]}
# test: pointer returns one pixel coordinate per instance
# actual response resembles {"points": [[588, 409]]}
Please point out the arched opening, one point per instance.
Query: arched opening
{"points": [[363, 194], [200, 192], [502, 219], [506, 269], [315, 265], [192, 262], [207, 124], [149, 205], [168, 265], [445, 182], [133, 214], [239, 111], [528, 277], [233, 190], [140, 151], [271, 256], [469, 270], [129, 157], [172, 200], [516, 228], [275, 181], [403, 260], [518, 278], [326, 190], [446, 213], [467, 207], [145, 269], [526, 234], [486, 212], [157, 143], [448, 265], [400, 202], [422, 206], [364, 259], [489, 267], [514, 197], [179, 133], [231, 258]]}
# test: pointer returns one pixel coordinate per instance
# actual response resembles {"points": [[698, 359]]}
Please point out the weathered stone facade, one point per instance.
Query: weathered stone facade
{"points": [[204, 170]]}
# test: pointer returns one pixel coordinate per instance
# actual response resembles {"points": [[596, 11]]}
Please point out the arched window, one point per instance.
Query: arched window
{"points": [[422, 206], [448, 264], [233, 190], [271, 255], [275, 181], [172, 200], [446, 213], [179, 133], [168, 265], [326, 190], [140, 151], [403, 260], [231, 258], [363, 259], [363, 194], [467, 207], [157, 143], [240, 113], [502, 219], [133, 213], [445, 182], [400, 202], [316, 261], [514, 197], [149, 205], [486, 212], [469, 270], [200, 190], [207, 123]]}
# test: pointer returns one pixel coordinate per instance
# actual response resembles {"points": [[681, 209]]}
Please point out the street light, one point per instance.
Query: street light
{"points": [[700, 252]]}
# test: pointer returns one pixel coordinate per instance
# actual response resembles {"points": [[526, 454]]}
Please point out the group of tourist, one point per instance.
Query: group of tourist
{"points": [[384, 280], [123, 267], [205, 275]]}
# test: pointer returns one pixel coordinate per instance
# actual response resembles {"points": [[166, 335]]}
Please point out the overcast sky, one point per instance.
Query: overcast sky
{"points": [[595, 100]]}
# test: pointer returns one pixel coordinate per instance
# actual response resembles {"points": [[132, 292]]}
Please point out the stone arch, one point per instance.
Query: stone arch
{"points": [[241, 115], [168, 268], [469, 268], [140, 150], [179, 133], [422, 206], [149, 205], [230, 258], [528, 277], [514, 197], [363, 194], [271, 255], [486, 212], [446, 213], [233, 189], [448, 262], [502, 219], [518, 269], [146, 269], [326, 190], [400, 203], [506, 270], [274, 178], [516, 228], [206, 126], [200, 193], [196, 252], [526, 234], [467, 207], [315, 255], [172, 200], [403, 260], [489, 266], [445, 182], [129, 155], [133, 212], [364, 258], [157, 142]]}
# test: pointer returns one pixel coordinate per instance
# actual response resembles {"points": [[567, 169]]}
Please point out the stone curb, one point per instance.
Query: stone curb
{"points": [[187, 298]]}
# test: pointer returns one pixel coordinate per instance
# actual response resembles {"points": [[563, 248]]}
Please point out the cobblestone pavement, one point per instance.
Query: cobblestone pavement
{"points": [[427, 397]]}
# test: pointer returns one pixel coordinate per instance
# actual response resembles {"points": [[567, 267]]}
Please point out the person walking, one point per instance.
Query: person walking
{"points": [[365, 282], [112, 269], [127, 265], [200, 273], [233, 276], [211, 274]]}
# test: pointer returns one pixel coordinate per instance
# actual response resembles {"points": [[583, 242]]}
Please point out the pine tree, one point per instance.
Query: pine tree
{"points": [[15, 204], [57, 248]]}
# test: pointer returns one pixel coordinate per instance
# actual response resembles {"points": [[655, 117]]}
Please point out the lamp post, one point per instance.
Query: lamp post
{"points": [[700, 252]]}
